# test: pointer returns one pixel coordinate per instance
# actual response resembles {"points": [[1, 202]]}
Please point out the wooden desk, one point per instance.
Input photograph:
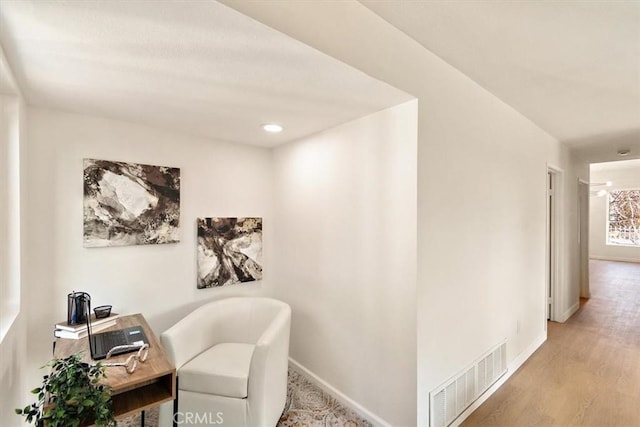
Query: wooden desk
{"points": [[153, 381]]}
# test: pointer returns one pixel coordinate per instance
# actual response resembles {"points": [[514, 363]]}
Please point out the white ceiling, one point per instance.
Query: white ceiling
{"points": [[615, 166], [572, 67], [197, 67]]}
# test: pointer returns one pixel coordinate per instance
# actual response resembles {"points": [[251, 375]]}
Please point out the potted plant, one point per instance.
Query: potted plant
{"points": [[71, 395]]}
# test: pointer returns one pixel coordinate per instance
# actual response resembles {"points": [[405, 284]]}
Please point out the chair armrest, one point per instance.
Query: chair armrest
{"points": [[186, 339], [267, 391]]}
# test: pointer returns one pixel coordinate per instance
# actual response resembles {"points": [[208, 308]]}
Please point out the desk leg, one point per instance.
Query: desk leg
{"points": [[142, 419], [175, 406]]}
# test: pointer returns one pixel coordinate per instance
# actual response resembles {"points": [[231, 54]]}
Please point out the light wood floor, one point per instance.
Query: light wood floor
{"points": [[588, 371]]}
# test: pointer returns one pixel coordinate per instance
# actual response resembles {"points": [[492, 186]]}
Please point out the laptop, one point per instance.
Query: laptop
{"points": [[100, 344]]}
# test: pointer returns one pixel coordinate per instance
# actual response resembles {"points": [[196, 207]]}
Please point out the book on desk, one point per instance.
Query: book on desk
{"points": [[77, 331]]}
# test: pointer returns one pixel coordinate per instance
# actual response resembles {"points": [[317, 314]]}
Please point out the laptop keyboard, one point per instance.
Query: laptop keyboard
{"points": [[109, 340]]}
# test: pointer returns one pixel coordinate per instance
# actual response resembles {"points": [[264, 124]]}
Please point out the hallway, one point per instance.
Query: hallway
{"points": [[587, 373]]}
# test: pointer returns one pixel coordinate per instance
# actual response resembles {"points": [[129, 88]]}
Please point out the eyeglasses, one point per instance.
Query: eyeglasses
{"points": [[131, 363]]}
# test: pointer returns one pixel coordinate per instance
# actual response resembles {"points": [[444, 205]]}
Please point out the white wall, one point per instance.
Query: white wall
{"points": [[624, 176], [13, 337], [9, 211], [217, 179], [569, 289], [345, 221], [481, 193]]}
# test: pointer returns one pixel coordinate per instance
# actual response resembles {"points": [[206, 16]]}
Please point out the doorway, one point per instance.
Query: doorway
{"points": [[583, 237]]}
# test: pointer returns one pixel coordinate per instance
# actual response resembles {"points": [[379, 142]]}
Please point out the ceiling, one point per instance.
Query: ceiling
{"points": [[572, 67], [204, 69], [616, 166]]}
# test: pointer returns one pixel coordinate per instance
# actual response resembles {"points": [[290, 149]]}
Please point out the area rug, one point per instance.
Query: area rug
{"points": [[307, 406]]}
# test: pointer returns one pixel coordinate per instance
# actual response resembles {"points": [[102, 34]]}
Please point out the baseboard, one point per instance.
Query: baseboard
{"points": [[338, 395], [614, 258], [567, 314], [511, 369]]}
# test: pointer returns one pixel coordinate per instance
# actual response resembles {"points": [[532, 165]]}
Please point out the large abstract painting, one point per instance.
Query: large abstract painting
{"points": [[130, 204], [229, 251]]}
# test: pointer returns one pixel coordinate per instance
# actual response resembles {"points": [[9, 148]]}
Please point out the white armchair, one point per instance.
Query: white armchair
{"points": [[231, 357]]}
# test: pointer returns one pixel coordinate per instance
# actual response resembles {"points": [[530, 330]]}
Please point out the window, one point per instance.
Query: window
{"points": [[624, 218]]}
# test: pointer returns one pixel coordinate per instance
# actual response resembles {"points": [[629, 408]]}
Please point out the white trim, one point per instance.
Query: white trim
{"points": [[548, 298], [584, 218], [554, 167], [614, 258], [620, 245], [338, 395], [513, 367], [558, 212], [567, 314]]}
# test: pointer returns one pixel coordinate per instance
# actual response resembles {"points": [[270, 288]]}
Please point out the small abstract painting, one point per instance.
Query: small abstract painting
{"points": [[130, 204], [229, 251]]}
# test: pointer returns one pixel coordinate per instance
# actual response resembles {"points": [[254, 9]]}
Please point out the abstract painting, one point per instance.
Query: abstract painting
{"points": [[229, 251], [130, 204]]}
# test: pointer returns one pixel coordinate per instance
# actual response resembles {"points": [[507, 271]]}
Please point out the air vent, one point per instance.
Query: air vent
{"points": [[451, 399]]}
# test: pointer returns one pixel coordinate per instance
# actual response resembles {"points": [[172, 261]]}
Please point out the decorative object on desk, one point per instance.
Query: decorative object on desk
{"points": [[102, 311], [130, 204], [77, 307], [71, 395], [132, 361], [229, 251]]}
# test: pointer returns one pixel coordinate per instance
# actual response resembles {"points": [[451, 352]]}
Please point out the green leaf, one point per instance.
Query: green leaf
{"points": [[74, 393]]}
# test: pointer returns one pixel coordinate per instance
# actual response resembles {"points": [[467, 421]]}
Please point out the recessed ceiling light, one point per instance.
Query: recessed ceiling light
{"points": [[624, 152], [272, 127]]}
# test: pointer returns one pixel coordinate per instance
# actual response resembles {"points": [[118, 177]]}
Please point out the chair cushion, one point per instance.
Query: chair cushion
{"points": [[222, 370]]}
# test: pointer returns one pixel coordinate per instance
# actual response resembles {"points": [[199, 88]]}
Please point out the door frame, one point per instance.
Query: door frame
{"points": [[554, 231], [584, 218]]}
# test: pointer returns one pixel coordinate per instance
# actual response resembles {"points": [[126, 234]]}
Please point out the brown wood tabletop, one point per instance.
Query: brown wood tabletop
{"points": [[153, 381]]}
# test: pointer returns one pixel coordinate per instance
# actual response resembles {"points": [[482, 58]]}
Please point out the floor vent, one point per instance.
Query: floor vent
{"points": [[451, 399]]}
